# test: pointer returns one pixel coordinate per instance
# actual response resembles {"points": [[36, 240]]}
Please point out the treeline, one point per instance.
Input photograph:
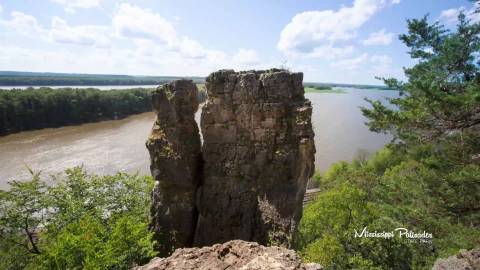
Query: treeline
{"points": [[46, 107], [12, 78]]}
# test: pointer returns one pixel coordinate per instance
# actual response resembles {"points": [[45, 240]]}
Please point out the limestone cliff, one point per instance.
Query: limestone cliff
{"points": [[257, 156]]}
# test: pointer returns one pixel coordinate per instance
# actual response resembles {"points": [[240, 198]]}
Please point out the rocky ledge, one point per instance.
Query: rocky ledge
{"points": [[464, 260], [236, 254]]}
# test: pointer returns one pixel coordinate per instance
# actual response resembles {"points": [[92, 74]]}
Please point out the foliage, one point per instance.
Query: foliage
{"points": [[323, 89], [427, 179], [47, 107], [12, 78], [442, 94], [79, 221]]}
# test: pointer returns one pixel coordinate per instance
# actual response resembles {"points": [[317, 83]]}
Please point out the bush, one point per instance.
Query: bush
{"points": [[79, 221]]}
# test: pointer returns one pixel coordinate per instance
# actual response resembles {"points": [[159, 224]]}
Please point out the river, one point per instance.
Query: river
{"points": [[111, 146]]}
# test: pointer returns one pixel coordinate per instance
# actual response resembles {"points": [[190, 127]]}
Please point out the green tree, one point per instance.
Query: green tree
{"points": [[427, 179], [441, 97], [79, 221]]}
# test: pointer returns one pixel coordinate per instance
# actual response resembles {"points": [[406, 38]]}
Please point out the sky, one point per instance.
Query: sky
{"points": [[337, 41]]}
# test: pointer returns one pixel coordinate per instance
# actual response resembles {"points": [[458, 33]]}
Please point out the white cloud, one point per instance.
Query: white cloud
{"points": [[312, 33], [395, 2], [80, 35], [330, 52], [137, 41], [21, 23], [377, 65], [246, 57], [134, 22], [191, 48], [351, 63], [71, 5], [378, 38], [1, 9], [450, 16]]}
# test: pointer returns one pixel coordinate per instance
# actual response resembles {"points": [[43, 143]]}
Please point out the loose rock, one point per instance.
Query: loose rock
{"points": [[231, 255]]}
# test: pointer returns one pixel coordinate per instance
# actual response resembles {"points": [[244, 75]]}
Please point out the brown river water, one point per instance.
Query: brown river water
{"points": [[111, 146]]}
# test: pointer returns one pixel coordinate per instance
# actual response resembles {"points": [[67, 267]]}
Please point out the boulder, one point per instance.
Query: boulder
{"points": [[231, 255], [174, 147], [464, 260]]}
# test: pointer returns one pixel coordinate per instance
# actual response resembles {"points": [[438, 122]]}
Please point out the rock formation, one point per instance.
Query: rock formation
{"points": [[465, 260], [257, 156], [174, 146], [231, 255]]}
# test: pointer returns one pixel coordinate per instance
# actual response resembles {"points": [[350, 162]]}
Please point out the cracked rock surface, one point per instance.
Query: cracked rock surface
{"points": [[235, 254], [249, 178]]}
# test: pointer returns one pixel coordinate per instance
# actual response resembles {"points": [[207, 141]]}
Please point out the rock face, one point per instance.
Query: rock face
{"points": [[465, 260], [174, 146], [258, 154], [256, 158], [231, 255]]}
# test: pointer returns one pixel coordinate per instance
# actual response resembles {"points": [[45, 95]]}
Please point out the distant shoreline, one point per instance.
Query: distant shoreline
{"points": [[39, 79]]}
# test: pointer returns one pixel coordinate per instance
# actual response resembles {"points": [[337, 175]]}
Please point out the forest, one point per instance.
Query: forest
{"points": [[13, 78], [46, 107]]}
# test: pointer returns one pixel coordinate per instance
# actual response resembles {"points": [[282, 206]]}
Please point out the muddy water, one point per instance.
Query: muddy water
{"points": [[111, 146]]}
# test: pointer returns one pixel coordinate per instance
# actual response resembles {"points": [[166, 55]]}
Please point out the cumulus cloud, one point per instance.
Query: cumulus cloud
{"points": [[316, 33], [136, 37], [21, 23], [246, 57], [71, 5], [191, 48], [378, 38], [450, 16], [395, 2], [80, 35], [351, 63], [375, 64], [134, 22]]}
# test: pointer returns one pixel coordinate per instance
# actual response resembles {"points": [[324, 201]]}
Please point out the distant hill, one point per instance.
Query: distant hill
{"points": [[15, 78], [20, 78]]}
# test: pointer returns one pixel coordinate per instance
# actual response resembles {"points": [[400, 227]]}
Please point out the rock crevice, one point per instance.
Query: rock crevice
{"points": [[249, 177]]}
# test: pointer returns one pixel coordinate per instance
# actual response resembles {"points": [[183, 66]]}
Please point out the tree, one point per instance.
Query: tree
{"points": [[79, 221], [427, 179], [442, 95]]}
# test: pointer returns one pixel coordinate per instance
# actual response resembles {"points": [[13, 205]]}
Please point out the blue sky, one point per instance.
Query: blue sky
{"points": [[342, 41]]}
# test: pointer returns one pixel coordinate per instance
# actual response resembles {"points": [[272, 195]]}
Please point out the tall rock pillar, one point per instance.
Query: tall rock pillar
{"points": [[258, 154], [174, 147]]}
